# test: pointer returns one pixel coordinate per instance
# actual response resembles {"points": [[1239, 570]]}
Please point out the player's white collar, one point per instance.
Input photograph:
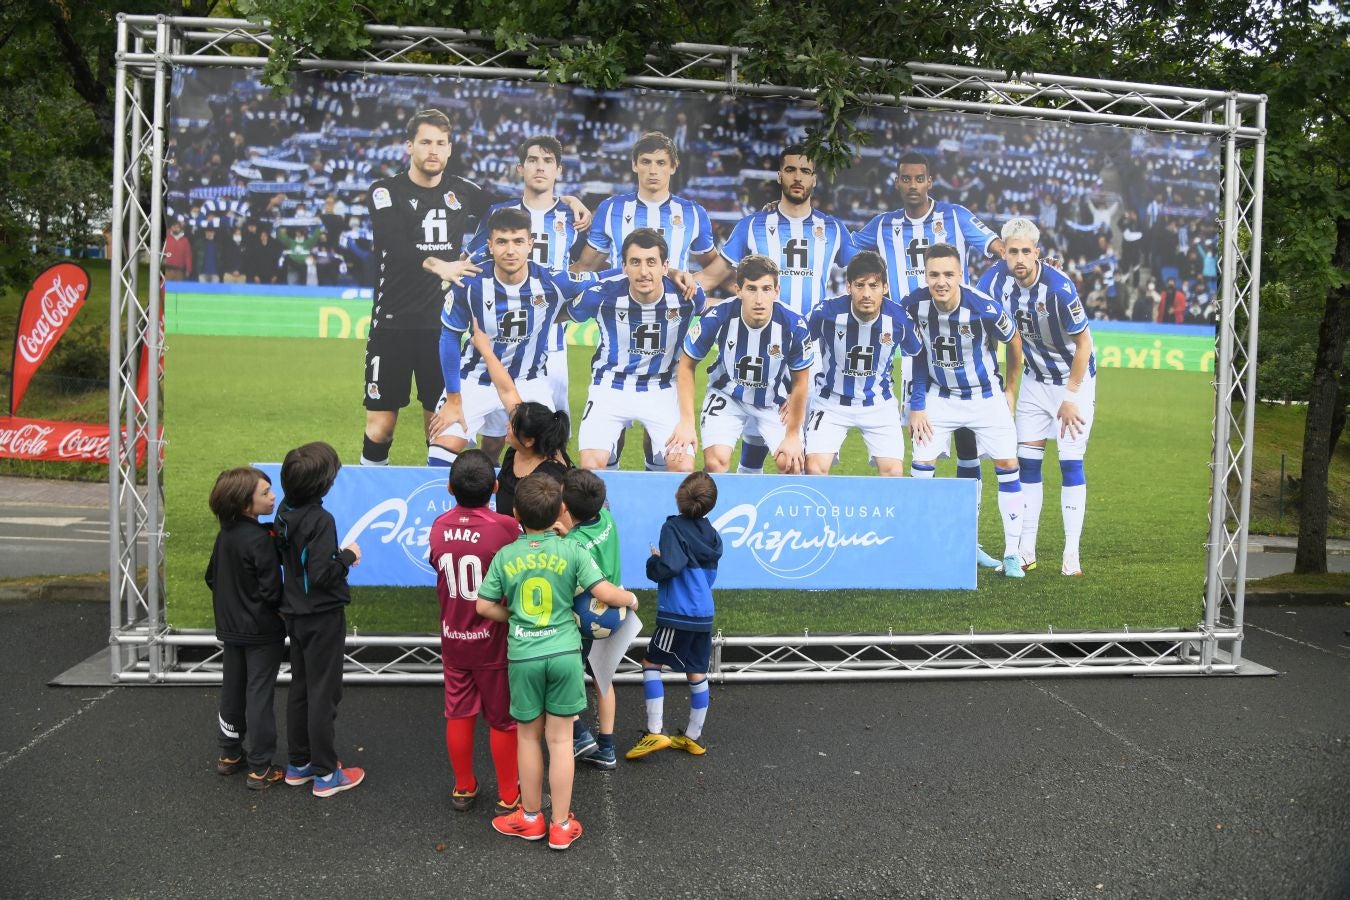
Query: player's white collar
{"points": [[932, 205]]}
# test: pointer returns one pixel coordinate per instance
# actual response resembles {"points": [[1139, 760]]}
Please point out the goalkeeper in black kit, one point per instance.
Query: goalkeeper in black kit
{"points": [[419, 218]]}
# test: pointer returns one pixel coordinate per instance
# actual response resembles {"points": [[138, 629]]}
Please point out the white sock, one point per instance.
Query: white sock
{"points": [[1010, 508], [1073, 504], [1033, 496]]}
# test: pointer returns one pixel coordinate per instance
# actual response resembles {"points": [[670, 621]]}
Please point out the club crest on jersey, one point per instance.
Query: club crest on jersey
{"points": [[1040, 307], [672, 314], [373, 390], [560, 226], [965, 331], [820, 231], [676, 220], [539, 300], [452, 201], [775, 351], [886, 338], [939, 228], [380, 197]]}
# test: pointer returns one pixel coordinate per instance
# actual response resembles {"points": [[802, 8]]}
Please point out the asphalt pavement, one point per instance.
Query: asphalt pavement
{"points": [[1038, 787]]}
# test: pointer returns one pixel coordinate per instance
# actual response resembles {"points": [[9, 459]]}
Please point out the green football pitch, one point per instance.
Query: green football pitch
{"points": [[230, 401]]}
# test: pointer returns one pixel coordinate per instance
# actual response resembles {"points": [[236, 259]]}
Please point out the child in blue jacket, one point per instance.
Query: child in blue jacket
{"points": [[684, 567]]}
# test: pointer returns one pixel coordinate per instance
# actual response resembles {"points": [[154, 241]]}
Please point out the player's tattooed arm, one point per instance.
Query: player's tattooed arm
{"points": [[681, 440], [452, 272], [581, 215]]}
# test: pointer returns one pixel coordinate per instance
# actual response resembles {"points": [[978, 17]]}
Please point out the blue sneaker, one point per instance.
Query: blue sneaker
{"points": [[603, 758], [583, 745], [338, 780], [1012, 567], [986, 561], [297, 775]]}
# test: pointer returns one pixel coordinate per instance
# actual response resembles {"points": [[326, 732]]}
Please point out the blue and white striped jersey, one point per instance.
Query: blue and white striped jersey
{"points": [[803, 248], [1048, 315], [856, 356], [959, 357], [516, 317], [683, 223], [639, 343], [903, 242], [752, 363], [554, 231]]}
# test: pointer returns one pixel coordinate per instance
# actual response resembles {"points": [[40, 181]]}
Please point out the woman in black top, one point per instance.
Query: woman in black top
{"points": [[537, 440]]}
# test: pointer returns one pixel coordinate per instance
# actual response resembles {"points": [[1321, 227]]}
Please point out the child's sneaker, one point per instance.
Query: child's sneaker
{"points": [[337, 781], [561, 835], [462, 801], [297, 775], [687, 744], [516, 825], [648, 743], [584, 744], [603, 758], [229, 765], [502, 808], [261, 781]]}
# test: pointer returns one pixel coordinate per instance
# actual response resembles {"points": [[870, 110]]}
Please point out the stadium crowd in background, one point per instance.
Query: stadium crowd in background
{"points": [[285, 181]]}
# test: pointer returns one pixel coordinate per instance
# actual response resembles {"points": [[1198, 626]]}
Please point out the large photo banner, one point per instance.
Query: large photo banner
{"points": [[294, 223]]}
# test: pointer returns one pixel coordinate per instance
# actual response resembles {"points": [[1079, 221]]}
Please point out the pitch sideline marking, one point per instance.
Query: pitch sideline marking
{"points": [[50, 731]]}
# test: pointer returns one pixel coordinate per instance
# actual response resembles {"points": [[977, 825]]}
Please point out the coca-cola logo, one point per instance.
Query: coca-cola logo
{"points": [[57, 306], [26, 440], [75, 444]]}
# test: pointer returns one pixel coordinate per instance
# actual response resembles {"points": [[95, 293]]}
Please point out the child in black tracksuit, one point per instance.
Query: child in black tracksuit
{"points": [[244, 576], [314, 600]]}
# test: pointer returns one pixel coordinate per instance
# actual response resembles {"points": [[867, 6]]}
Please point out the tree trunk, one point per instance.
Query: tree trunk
{"points": [[1322, 412]]}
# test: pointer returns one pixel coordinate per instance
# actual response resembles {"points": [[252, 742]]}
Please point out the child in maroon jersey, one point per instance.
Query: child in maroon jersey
{"points": [[473, 649]]}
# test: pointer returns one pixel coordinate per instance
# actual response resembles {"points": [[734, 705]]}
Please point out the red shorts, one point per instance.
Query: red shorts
{"points": [[470, 691]]}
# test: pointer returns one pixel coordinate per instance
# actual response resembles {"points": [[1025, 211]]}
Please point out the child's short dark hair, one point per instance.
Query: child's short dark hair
{"points": [[233, 493], [472, 478], [538, 500], [308, 472], [696, 496], [584, 494]]}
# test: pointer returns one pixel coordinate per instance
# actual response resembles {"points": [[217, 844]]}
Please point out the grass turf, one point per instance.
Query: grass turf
{"points": [[234, 400]]}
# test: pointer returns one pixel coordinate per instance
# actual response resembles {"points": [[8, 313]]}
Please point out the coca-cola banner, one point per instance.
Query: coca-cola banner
{"points": [[47, 311], [57, 441]]}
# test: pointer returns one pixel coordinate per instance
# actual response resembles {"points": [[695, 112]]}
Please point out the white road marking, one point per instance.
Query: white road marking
{"points": [[50, 731], [42, 521]]}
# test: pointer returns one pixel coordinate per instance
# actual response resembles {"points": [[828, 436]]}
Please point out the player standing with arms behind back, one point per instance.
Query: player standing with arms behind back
{"points": [[1059, 394], [419, 219], [957, 384]]}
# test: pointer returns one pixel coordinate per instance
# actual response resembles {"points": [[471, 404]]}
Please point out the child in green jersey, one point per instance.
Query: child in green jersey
{"points": [[530, 586], [591, 525]]}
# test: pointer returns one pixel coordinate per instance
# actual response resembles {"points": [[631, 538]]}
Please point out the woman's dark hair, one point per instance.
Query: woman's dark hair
{"points": [[548, 429], [233, 493], [308, 472]]}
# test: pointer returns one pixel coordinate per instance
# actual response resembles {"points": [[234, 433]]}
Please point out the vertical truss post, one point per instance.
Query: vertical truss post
{"points": [[117, 298]]}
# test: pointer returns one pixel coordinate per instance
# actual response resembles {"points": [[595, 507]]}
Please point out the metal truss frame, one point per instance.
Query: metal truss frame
{"points": [[145, 650]]}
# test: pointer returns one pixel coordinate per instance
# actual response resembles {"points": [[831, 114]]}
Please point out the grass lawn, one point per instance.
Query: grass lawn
{"points": [[233, 400], [1279, 432]]}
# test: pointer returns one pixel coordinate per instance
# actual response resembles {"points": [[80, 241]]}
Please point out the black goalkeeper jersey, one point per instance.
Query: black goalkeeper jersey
{"points": [[410, 224]]}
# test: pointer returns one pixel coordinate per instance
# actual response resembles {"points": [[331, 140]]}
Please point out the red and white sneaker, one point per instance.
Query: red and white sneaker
{"points": [[516, 825], [561, 835], [1071, 567]]}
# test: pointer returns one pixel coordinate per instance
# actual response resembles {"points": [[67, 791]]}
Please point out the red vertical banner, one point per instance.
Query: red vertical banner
{"points": [[47, 311]]}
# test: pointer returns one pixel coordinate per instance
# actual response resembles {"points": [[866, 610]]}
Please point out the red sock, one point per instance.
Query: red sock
{"points": [[459, 744], [503, 744]]}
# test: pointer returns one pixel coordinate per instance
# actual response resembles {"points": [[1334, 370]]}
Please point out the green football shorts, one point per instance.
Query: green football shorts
{"points": [[552, 684]]}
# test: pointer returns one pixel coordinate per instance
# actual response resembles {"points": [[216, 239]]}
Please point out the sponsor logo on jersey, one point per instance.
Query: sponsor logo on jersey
{"points": [[622, 315], [1076, 310], [1003, 324], [380, 197], [452, 201], [772, 229], [413, 203], [839, 333], [694, 331]]}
